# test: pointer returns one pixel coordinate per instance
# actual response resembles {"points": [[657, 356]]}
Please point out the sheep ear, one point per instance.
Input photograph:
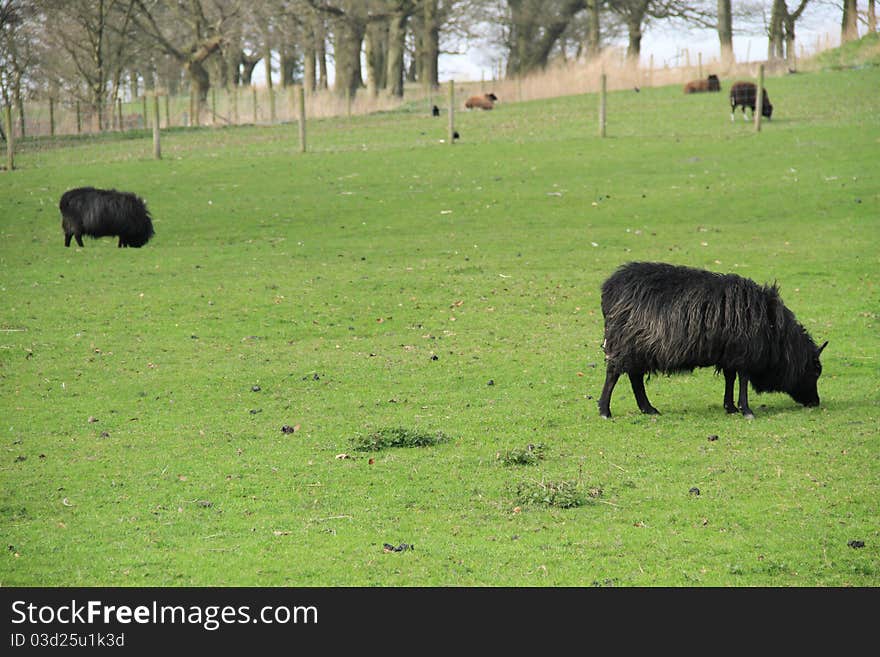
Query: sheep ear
{"points": [[824, 344]]}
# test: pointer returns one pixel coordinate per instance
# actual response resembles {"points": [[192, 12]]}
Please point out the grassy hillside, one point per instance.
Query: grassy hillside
{"points": [[859, 53], [388, 280]]}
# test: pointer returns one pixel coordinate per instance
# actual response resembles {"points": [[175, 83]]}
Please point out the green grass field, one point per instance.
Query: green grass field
{"points": [[387, 280]]}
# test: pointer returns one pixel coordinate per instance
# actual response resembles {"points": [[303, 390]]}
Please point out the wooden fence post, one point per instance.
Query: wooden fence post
{"points": [[213, 106], [146, 118], [78, 119], [157, 148], [234, 93], [301, 107], [119, 113], [759, 99], [602, 87], [167, 112], [451, 112], [348, 102], [51, 116], [10, 140], [254, 94]]}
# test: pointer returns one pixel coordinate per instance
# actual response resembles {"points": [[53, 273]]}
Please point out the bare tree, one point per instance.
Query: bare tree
{"points": [[94, 38], [190, 32], [12, 41], [535, 28], [638, 14], [781, 32]]}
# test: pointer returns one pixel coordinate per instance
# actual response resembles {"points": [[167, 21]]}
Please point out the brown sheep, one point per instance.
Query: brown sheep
{"points": [[486, 101], [712, 83]]}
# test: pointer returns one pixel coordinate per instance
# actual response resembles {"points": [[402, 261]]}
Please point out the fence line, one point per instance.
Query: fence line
{"points": [[264, 106]]}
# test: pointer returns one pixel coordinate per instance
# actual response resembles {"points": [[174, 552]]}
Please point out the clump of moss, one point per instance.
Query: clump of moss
{"points": [[560, 494], [529, 455], [398, 437]]}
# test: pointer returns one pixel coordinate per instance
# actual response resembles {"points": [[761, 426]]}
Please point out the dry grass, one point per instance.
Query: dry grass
{"points": [[254, 105]]}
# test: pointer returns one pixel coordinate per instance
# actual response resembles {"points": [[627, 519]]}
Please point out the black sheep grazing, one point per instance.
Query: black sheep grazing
{"points": [[667, 318], [745, 94], [103, 213]]}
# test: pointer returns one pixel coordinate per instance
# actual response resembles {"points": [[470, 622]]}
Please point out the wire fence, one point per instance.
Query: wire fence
{"points": [[53, 117]]}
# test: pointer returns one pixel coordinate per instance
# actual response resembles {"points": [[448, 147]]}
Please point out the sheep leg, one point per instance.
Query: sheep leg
{"points": [[729, 378], [79, 239], [744, 396], [67, 238], [638, 385], [611, 376]]}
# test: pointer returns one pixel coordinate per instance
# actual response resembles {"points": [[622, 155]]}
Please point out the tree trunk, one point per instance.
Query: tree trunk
{"points": [[97, 93], [430, 45], [309, 72], [396, 45], [790, 43], [199, 79], [417, 27], [232, 66], [594, 45], [872, 17], [19, 102], [725, 33], [375, 50], [267, 61], [349, 35], [248, 64], [321, 54], [775, 34], [849, 26], [289, 66], [634, 47]]}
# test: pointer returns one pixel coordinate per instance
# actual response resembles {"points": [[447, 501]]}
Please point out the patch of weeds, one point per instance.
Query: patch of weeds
{"points": [[560, 494], [529, 455], [398, 437]]}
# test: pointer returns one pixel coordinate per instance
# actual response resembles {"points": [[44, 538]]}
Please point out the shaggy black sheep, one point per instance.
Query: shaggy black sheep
{"points": [[667, 318], [745, 94], [103, 213]]}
